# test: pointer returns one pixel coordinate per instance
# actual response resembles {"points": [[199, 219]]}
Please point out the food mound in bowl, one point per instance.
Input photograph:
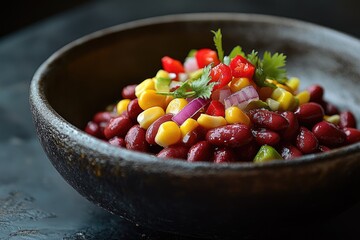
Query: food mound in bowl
{"points": [[224, 108]]}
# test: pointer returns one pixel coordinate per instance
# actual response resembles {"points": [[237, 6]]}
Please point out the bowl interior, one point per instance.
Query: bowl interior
{"points": [[91, 75]]}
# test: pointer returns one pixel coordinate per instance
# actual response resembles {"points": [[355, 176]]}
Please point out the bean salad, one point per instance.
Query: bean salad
{"points": [[224, 108]]}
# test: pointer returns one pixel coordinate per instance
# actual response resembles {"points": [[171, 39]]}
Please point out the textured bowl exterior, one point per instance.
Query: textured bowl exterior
{"points": [[199, 199]]}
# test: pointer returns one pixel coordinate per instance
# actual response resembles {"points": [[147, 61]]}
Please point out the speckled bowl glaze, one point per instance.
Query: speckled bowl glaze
{"points": [[198, 199]]}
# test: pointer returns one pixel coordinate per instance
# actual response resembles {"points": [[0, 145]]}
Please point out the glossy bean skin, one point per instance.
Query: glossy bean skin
{"points": [[265, 136], [201, 151], [192, 137], [268, 119], [135, 139], [329, 134], [118, 126], [117, 141], [103, 117], [352, 135], [291, 131], [177, 151], [128, 92], [224, 155], [306, 141], [154, 127], [289, 151], [309, 113], [347, 120], [234, 135], [93, 129], [133, 109], [316, 93], [323, 148]]}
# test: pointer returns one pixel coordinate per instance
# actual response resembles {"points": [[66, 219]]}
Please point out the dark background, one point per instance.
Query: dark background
{"points": [[35, 201], [343, 15]]}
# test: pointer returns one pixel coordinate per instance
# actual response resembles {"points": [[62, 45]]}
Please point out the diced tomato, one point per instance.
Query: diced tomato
{"points": [[241, 67], [216, 108], [221, 74], [172, 65], [206, 56]]}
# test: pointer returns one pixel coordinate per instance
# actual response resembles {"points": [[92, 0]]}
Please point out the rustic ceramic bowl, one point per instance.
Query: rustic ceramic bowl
{"points": [[199, 199]]}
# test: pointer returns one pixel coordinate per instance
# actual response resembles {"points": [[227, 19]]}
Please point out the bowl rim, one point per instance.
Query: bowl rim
{"points": [[149, 162]]}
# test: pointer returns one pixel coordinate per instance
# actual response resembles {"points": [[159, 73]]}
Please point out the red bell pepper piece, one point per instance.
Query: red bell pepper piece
{"points": [[206, 56], [221, 74], [172, 65], [241, 67], [216, 108]]}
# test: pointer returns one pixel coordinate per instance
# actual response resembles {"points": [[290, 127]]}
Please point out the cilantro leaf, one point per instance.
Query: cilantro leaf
{"points": [[218, 44], [200, 87], [273, 66], [253, 58], [236, 51]]}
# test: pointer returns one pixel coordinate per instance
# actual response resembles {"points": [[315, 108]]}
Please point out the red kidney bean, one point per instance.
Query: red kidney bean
{"points": [[352, 135], [176, 151], [201, 151], [316, 93], [265, 136], [117, 141], [224, 155], [128, 92], [347, 120], [291, 131], [117, 127], [234, 135], [330, 109], [135, 139], [306, 141], [93, 129], [323, 148], [289, 151], [309, 113], [268, 119], [193, 137], [329, 134], [134, 109], [103, 117], [154, 127], [247, 152]]}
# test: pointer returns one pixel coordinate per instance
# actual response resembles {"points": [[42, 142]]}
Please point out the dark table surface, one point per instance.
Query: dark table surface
{"points": [[35, 202]]}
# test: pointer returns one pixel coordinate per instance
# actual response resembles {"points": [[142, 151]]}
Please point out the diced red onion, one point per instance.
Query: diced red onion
{"points": [[190, 64], [242, 97], [189, 110], [221, 94]]}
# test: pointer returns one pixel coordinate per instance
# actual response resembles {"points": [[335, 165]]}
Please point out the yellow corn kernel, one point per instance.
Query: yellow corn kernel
{"points": [[285, 98], [303, 97], [293, 83], [149, 98], [239, 83], [208, 121], [162, 74], [147, 84], [279, 85], [188, 126], [236, 115], [176, 105], [168, 99], [147, 117], [168, 134], [335, 119], [122, 106]]}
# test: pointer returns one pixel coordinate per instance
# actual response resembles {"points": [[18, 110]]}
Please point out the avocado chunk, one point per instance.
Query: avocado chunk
{"points": [[266, 153]]}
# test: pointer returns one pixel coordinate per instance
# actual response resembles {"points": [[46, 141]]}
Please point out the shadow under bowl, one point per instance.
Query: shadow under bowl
{"points": [[198, 199]]}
